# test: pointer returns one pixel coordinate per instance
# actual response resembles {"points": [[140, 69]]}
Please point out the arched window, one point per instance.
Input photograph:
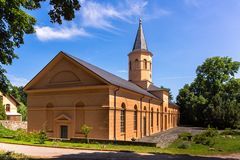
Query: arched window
{"points": [[157, 117], [150, 66], [145, 63], [123, 118], [152, 117], [50, 105], [79, 104], [7, 107], [135, 117], [130, 65], [136, 64]]}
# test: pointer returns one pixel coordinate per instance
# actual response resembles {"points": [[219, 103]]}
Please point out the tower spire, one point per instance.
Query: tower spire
{"points": [[140, 42]]}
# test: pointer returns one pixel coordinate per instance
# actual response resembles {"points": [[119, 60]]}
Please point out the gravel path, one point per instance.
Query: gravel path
{"points": [[163, 139], [62, 154]]}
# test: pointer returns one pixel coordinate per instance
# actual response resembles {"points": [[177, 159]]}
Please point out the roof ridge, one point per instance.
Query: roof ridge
{"points": [[110, 77]]}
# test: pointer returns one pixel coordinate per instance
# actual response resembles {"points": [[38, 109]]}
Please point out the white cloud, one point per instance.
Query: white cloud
{"points": [[47, 33], [17, 81], [100, 15]]}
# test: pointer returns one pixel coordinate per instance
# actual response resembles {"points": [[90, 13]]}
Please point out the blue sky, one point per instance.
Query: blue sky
{"points": [[180, 33]]}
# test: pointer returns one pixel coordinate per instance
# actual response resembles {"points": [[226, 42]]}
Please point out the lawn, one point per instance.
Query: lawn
{"points": [[222, 145]]}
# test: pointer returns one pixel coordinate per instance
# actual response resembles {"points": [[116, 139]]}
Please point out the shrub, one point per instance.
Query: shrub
{"points": [[202, 139], [229, 131], [4, 132], [22, 135], [206, 137], [210, 132], [85, 129], [133, 139], [186, 136], [199, 138], [184, 145], [39, 137]]}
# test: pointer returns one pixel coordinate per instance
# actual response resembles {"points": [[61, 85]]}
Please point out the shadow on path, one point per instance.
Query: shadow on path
{"points": [[134, 156]]}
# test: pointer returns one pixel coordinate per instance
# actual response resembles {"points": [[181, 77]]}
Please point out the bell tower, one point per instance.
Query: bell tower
{"points": [[140, 61]]}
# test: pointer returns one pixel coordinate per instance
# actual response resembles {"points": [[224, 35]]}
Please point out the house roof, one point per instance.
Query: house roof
{"points": [[14, 99], [10, 96], [111, 78], [140, 42]]}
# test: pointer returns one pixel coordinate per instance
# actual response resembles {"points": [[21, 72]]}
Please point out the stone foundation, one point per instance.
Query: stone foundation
{"points": [[14, 125]]}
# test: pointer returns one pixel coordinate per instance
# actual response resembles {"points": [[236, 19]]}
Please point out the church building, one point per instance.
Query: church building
{"points": [[69, 92]]}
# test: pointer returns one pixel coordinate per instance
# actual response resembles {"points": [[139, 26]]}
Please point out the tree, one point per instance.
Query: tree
{"points": [[19, 94], [85, 129], [4, 82], [213, 98], [170, 96], [22, 109], [15, 22], [3, 115]]}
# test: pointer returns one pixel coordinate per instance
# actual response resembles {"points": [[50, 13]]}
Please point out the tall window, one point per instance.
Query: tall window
{"points": [[123, 118], [150, 66], [157, 117], [145, 63], [130, 65], [7, 107], [135, 117], [152, 118], [136, 64]]}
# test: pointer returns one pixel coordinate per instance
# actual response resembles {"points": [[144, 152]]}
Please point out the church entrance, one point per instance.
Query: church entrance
{"points": [[64, 131]]}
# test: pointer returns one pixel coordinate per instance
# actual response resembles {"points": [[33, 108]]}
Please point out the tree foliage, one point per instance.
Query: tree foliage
{"points": [[214, 96], [85, 129], [22, 109], [15, 22], [3, 115], [19, 94], [170, 96]]}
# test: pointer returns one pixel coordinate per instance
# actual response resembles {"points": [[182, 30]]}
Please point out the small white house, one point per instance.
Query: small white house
{"points": [[11, 105]]}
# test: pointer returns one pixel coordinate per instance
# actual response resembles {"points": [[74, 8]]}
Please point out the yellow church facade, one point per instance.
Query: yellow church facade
{"points": [[70, 92]]}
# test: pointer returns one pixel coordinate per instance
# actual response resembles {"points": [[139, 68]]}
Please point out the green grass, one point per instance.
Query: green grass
{"points": [[223, 145], [13, 156], [4, 132]]}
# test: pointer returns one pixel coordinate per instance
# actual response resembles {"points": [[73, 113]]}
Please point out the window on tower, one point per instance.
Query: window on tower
{"points": [[130, 65], [136, 64], [145, 63]]}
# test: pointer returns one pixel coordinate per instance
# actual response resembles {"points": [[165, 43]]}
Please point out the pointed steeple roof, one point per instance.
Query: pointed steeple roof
{"points": [[140, 42]]}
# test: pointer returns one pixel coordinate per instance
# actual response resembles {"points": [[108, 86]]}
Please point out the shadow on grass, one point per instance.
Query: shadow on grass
{"points": [[133, 156]]}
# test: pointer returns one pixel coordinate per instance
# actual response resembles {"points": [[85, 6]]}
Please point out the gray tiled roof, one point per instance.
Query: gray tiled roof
{"points": [[111, 78], [140, 42], [152, 87]]}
